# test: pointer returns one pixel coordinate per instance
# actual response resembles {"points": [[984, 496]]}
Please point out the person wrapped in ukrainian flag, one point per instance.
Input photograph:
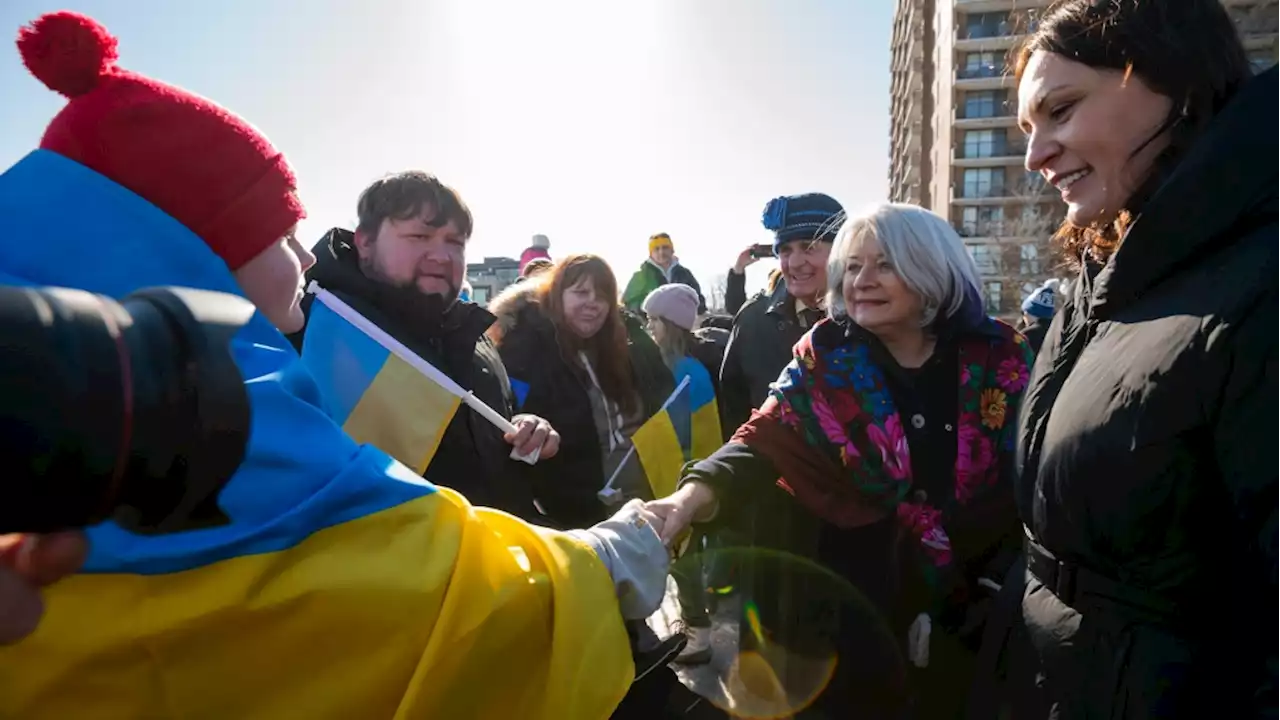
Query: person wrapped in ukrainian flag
{"points": [[344, 584]]}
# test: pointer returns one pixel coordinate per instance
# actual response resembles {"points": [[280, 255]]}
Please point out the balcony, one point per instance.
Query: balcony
{"points": [[999, 193], [982, 77], [970, 72], [999, 43], [989, 122], [978, 113], [999, 154]]}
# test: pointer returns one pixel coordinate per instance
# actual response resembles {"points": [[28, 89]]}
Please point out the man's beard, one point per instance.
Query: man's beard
{"points": [[369, 266]]}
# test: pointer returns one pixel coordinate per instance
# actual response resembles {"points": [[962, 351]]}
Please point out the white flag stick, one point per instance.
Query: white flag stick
{"points": [[346, 312], [608, 491]]}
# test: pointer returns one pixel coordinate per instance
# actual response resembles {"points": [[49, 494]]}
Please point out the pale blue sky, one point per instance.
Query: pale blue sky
{"points": [[594, 123]]}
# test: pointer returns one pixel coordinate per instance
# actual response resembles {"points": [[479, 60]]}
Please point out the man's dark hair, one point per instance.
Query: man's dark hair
{"points": [[408, 195]]}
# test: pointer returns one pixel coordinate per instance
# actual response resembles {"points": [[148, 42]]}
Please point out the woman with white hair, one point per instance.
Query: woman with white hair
{"points": [[883, 454]]}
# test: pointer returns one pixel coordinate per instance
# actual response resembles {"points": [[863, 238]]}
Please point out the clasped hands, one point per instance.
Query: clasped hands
{"points": [[675, 513]]}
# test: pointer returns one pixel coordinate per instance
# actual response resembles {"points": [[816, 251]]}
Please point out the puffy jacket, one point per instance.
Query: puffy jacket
{"points": [[1148, 481]]}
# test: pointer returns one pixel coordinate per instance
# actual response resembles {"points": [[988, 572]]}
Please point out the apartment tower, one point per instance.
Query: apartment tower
{"points": [[954, 143]]}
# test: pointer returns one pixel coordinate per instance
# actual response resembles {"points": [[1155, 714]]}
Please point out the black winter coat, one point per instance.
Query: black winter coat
{"points": [[764, 332], [1147, 452], [566, 485], [1034, 332], [472, 458]]}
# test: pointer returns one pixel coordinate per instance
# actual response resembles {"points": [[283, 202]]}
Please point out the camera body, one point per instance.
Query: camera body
{"points": [[132, 410]]}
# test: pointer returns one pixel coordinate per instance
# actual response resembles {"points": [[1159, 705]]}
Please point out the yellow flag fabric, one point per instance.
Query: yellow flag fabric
{"points": [[660, 453], [428, 609], [375, 395], [686, 428], [706, 430]]}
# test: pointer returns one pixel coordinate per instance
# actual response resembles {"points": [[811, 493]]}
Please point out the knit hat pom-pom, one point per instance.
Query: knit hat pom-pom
{"points": [[67, 51], [775, 214]]}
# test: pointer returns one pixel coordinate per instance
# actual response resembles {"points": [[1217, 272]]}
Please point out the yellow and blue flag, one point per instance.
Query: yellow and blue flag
{"points": [[343, 586], [374, 387], [686, 428], [704, 412]]}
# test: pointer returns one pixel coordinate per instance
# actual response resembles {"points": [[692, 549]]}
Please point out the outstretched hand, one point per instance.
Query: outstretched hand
{"points": [[28, 563], [680, 509]]}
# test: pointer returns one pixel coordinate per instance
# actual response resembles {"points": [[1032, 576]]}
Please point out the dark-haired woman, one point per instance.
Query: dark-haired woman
{"points": [[572, 353], [1148, 477]]}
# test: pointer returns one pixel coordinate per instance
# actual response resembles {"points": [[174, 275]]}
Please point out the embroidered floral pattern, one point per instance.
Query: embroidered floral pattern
{"points": [[1013, 375], [993, 408], [837, 398], [925, 523]]}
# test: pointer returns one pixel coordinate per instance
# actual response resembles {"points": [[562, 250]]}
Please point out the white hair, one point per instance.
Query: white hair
{"points": [[925, 251]]}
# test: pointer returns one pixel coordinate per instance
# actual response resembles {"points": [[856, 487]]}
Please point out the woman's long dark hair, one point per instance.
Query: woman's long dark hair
{"points": [[1186, 50], [611, 355]]}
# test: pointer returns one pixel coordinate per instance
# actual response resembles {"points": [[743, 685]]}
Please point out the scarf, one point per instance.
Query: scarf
{"points": [[832, 431]]}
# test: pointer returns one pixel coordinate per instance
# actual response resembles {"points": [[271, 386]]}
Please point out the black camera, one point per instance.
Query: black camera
{"points": [[132, 410]]}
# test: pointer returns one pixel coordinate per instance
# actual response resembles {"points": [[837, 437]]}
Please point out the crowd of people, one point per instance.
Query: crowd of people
{"points": [[952, 517]]}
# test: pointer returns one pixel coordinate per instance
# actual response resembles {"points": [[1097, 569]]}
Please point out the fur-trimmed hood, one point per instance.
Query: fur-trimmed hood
{"points": [[510, 304]]}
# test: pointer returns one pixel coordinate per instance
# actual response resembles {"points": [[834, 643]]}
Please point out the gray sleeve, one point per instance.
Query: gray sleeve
{"points": [[629, 546]]}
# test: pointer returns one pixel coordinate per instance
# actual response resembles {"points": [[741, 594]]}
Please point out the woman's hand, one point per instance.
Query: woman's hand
{"points": [[693, 501], [28, 563]]}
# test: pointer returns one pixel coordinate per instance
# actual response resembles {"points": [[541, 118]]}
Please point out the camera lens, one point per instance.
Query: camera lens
{"points": [[133, 409]]}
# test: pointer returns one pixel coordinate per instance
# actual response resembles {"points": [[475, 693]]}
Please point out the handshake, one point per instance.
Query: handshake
{"points": [[633, 544], [631, 548]]}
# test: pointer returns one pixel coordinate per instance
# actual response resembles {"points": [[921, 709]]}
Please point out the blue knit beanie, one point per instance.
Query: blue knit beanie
{"points": [[1039, 304], [811, 216]]}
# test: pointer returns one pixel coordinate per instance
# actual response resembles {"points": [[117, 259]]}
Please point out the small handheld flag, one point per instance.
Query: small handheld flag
{"points": [[380, 391], [657, 443]]}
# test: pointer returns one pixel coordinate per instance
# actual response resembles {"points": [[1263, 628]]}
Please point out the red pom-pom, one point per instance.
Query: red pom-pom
{"points": [[67, 51]]}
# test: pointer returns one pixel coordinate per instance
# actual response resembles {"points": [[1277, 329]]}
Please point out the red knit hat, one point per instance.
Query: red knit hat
{"points": [[198, 162]]}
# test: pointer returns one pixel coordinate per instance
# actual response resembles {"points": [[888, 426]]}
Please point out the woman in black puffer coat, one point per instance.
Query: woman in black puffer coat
{"points": [[1147, 460]]}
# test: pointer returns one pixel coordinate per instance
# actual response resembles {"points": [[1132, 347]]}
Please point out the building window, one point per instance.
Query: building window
{"points": [[480, 294], [1035, 221], [985, 104], [981, 64], [983, 143], [993, 296], [1029, 254], [1033, 183], [985, 25], [986, 257], [983, 182], [982, 221]]}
